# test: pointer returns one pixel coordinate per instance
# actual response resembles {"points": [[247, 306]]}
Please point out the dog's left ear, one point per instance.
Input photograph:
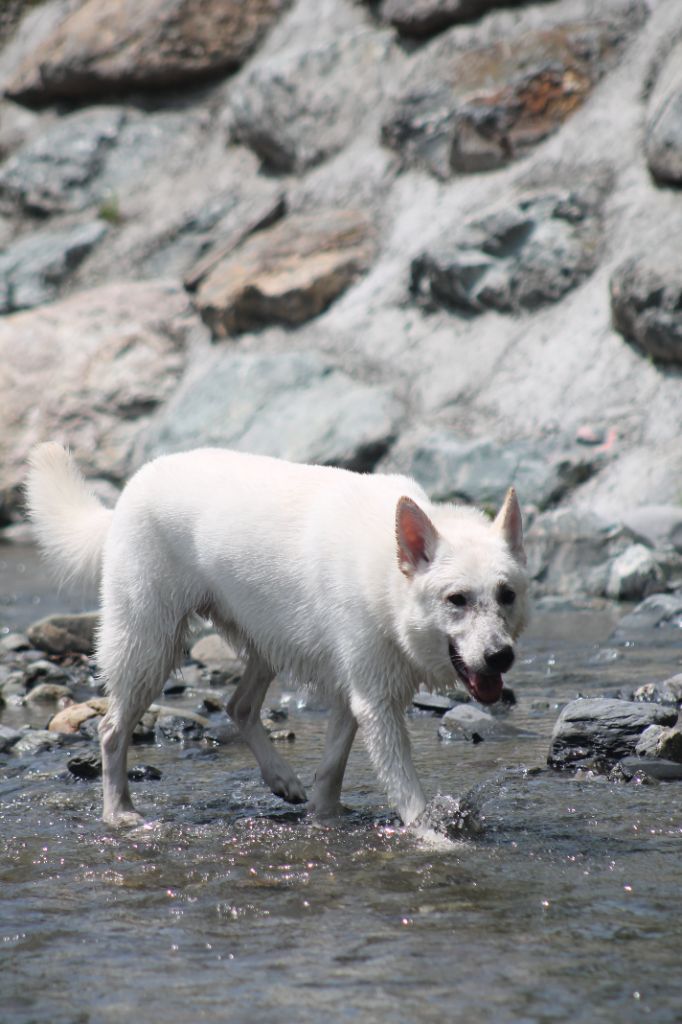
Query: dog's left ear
{"points": [[508, 521], [416, 535]]}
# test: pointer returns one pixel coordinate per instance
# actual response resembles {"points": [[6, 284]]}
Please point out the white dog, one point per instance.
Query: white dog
{"points": [[354, 583]]}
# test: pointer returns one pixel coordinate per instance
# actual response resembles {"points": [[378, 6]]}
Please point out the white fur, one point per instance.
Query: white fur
{"points": [[302, 567]]}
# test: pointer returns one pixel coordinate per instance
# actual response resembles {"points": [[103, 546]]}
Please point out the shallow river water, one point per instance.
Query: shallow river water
{"points": [[228, 906]]}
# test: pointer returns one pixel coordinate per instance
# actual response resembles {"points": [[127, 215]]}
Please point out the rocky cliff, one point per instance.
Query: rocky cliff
{"points": [[442, 236]]}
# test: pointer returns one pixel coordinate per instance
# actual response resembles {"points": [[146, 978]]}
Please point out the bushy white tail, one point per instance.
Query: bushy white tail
{"points": [[71, 524]]}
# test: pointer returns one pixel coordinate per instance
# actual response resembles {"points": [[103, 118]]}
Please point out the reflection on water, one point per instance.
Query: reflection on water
{"points": [[228, 906]]}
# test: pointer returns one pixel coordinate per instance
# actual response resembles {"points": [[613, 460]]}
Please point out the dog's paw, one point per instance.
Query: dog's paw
{"points": [[289, 788], [123, 819], [450, 817]]}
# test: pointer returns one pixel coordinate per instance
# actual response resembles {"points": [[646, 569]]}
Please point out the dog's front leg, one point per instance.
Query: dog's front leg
{"points": [[244, 708], [388, 744]]}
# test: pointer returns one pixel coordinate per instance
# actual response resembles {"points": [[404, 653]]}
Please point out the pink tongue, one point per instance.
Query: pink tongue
{"points": [[486, 689]]}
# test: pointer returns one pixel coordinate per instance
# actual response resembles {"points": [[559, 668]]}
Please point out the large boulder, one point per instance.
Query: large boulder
{"points": [[517, 256], [646, 302], [296, 109], [480, 471], [88, 371], [294, 405], [602, 728], [107, 46], [287, 273], [479, 109]]}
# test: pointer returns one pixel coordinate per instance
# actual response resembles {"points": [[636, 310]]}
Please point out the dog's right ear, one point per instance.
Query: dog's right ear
{"points": [[416, 535]]}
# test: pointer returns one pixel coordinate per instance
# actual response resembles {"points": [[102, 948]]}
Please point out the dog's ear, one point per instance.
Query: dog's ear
{"points": [[416, 535], [508, 521]]}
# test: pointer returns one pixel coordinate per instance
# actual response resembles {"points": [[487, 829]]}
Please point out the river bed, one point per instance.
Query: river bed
{"points": [[227, 905]]}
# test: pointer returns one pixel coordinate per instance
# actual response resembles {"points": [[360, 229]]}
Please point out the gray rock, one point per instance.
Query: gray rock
{"points": [[602, 729], [13, 642], [8, 737], [480, 108], [660, 741], [634, 574], [658, 526], [291, 404], [663, 141], [48, 693], [34, 268], [87, 765], [57, 171], [144, 773], [515, 257], [437, 703], [36, 741], [655, 611], [654, 768], [65, 634], [420, 18], [571, 552], [296, 109], [646, 302], [468, 722], [671, 689], [480, 471]]}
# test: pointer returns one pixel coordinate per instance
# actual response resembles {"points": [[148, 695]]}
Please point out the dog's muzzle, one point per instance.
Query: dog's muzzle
{"points": [[485, 687]]}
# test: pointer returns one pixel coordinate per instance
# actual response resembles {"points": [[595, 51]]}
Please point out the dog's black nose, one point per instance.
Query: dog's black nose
{"points": [[500, 661]]}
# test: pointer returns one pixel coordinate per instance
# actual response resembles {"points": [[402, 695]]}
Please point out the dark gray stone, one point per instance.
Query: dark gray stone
{"points": [[436, 703], [8, 737], [87, 765], [602, 729], [646, 302], [293, 405], [33, 269], [655, 768], [517, 257], [468, 722], [144, 773]]}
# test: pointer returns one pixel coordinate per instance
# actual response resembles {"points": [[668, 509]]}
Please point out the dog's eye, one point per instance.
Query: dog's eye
{"points": [[459, 600], [506, 595]]}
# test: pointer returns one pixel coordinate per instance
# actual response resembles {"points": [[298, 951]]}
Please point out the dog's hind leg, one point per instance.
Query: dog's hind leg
{"points": [[244, 708], [134, 667], [325, 800]]}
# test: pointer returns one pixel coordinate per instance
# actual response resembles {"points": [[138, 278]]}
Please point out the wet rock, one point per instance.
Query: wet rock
{"points": [[144, 773], [655, 768], [48, 693], [101, 361], [35, 267], [287, 273], [13, 642], [649, 693], [216, 654], [294, 405], [660, 741], [106, 46], [663, 140], [571, 551], [8, 737], [468, 722], [36, 741], [671, 689], [646, 303], [479, 472], [222, 732], [436, 703], [57, 171], [634, 574], [655, 611], [87, 765], [70, 719], [179, 726], [421, 18], [602, 729], [515, 257], [65, 634], [479, 109], [296, 109]]}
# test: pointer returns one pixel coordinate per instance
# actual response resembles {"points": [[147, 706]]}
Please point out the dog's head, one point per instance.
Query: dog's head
{"points": [[466, 599]]}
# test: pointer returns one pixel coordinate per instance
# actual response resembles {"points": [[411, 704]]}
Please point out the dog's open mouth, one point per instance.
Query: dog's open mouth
{"points": [[483, 687]]}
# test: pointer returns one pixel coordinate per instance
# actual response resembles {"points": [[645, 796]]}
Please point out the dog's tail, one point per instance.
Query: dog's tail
{"points": [[71, 524]]}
